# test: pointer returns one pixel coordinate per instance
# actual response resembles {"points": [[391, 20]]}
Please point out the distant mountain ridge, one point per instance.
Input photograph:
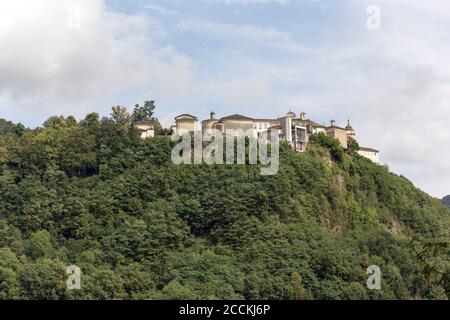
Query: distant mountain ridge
{"points": [[446, 201]]}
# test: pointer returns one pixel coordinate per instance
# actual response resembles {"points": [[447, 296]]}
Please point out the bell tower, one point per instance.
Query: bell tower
{"points": [[351, 133]]}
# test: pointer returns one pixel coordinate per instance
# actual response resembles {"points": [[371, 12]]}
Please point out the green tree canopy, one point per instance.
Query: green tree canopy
{"points": [[145, 112]]}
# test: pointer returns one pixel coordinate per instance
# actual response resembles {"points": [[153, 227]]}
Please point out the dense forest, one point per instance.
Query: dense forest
{"points": [[91, 193]]}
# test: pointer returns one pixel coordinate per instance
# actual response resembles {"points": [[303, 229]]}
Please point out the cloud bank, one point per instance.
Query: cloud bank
{"points": [[60, 56]]}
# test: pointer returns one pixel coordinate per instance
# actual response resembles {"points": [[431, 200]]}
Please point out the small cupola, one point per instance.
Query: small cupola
{"points": [[349, 126], [290, 114]]}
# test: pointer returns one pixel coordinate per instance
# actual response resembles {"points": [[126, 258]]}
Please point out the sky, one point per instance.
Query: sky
{"points": [[260, 58]]}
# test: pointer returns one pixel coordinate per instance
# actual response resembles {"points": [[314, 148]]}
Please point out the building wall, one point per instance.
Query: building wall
{"points": [[371, 155], [340, 134], [146, 130], [268, 134], [147, 134], [319, 130], [208, 124], [300, 138], [184, 126], [351, 134], [261, 127], [286, 129], [237, 125]]}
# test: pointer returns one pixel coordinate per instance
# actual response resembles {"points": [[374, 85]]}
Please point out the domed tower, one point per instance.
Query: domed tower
{"points": [[209, 124], [291, 114], [351, 133]]}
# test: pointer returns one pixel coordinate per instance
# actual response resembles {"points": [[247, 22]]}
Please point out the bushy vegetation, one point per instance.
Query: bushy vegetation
{"points": [[93, 194], [5, 126]]}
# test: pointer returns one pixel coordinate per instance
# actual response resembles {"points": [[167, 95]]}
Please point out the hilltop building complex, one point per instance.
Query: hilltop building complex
{"points": [[295, 130]]}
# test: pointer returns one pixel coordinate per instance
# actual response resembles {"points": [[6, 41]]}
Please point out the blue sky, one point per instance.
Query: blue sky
{"points": [[260, 58]]}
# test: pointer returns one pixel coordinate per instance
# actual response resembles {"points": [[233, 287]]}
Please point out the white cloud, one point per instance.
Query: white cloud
{"points": [[245, 35], [407, 95], [62, 55], [159, 9]]}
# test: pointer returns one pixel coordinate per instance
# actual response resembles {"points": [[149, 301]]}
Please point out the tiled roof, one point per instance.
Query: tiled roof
{"points": [[186, 115], [314, 124], [336, 127], [266, 120], [237, 117], [368, 149], [149, 123]]}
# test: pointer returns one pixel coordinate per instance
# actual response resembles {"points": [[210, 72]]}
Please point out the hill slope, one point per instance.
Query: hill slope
{"points": [[95, 195]]}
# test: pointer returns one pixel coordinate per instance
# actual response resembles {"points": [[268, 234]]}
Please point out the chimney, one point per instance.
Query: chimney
{"points": [[303, 116], [213, 115], [333, 123]]}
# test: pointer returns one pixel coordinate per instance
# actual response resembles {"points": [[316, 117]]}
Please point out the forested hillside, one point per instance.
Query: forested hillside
{"points": [[93, 194]]}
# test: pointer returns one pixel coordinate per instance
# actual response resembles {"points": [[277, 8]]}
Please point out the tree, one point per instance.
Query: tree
{"points": [[8, 233], [121, 119], [145, 112], [9, 286], [103, 284], [71, 121], [158, 127], [120, 116], [44, 279], [354, 291], [5, 126], [353, 145], [39, 245], [55, 122], [334, 146], [175, 291], [434, 258], [298, 291]]}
